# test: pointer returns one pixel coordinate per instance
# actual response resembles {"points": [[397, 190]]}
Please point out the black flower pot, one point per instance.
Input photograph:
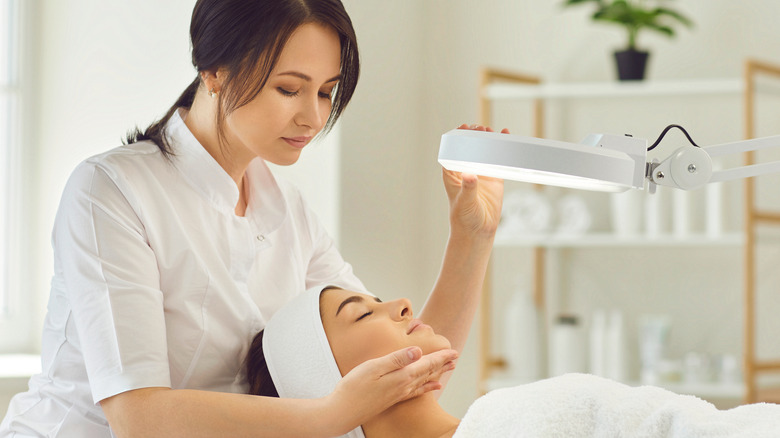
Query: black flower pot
{"points": [[631, 64]]}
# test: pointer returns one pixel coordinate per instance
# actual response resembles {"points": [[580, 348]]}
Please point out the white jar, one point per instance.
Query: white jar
{"points": [[567, 346]]}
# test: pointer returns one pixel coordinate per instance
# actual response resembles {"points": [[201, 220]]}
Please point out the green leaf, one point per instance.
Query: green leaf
{"points": [[666, 30], [674, 14]]}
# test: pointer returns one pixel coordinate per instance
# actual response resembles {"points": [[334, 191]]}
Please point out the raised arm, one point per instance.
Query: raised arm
{"points": [[475, 210]]}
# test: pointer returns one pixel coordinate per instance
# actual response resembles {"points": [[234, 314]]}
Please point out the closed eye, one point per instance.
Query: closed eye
{"points": [[364, 315], [287, 93]]}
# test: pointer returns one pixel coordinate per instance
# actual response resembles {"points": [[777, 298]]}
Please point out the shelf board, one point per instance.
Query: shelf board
{"points": [[681, 87], [714, 390], [605, 240]]}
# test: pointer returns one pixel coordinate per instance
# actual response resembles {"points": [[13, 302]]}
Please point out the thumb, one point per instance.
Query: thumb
{"points": [[399, 359], [468, 187]]}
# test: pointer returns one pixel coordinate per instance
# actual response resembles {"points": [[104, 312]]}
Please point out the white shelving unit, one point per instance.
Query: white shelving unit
{"points": [[709, 87], [506, 86], [595, 240]]}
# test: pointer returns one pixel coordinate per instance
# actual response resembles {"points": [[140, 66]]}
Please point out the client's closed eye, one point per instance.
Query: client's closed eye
{"points": [[364, 315]]}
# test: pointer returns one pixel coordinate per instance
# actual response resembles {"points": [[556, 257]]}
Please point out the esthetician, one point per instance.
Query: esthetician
{"points": [[173, 251]]}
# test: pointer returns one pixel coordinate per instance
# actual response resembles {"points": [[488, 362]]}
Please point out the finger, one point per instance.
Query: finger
{"points": [[398, 359], [452, 181], [429, 380], [431, 366], [505, 131], [463, 126]]}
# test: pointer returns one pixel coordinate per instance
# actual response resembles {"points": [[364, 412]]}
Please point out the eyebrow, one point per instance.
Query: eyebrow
{"points": [[353, 299], [306, 77]]}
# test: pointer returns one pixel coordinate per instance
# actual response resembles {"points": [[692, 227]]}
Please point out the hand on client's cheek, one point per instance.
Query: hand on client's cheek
{"points": [[360, 327]]}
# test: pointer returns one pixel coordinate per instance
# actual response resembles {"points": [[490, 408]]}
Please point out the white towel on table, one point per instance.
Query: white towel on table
{"points": [[580, 405]]}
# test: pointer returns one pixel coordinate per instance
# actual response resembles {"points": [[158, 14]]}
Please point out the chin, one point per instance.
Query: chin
{"points": [[284, 161], [437, 344]]}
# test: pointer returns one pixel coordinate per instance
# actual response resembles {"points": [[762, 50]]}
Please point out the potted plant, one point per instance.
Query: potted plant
{"points": [[635, 15]]}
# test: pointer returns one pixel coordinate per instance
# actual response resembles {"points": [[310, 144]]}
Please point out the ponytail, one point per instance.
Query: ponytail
{"points": [[156, 131]]}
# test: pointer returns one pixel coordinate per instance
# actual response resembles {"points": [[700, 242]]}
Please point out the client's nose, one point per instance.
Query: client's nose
{"points": [[401, 309]]}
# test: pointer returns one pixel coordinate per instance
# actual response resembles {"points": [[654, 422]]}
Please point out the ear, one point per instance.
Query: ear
{"points": [[213, 79]]}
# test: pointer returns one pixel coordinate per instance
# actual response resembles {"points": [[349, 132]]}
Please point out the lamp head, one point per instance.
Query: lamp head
{"points": [[601, 162]]}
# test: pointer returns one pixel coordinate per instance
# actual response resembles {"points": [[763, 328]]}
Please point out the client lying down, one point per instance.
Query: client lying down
{"points": [[325, 332]]}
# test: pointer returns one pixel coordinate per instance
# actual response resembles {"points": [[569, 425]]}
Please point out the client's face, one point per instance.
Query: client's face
{"points": [[360, 327]]}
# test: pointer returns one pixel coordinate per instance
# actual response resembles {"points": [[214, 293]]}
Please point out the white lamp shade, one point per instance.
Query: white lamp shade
{"points": [[536, 160]]}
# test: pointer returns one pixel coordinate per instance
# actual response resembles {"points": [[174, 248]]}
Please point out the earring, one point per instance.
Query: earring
{"points": [[213, 93]]}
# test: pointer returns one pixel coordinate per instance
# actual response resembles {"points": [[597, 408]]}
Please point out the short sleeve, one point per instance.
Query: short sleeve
{"points": [[113, 285]]}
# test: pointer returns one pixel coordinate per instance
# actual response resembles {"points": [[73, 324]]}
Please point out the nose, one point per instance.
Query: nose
{"points": [[309, 113], [400, 309]]}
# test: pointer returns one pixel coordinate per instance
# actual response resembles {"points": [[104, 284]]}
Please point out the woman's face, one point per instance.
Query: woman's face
{"points": [[295, 103], [360, 327]]}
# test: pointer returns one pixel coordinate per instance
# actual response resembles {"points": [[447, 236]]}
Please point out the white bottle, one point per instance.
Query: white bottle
{"points": [[567, 351], [598, 333], [615, 354], [714, 209], [657, 212], [521, 337], [681, 214]]}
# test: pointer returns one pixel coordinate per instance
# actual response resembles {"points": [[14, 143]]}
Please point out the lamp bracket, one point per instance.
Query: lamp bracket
{"points": [[688, 168]]}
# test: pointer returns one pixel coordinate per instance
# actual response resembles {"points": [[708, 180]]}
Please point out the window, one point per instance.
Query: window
{"points": [[9, 138]]}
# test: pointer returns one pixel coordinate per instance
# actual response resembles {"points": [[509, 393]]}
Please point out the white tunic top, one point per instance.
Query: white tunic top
{"points": [[159, 284]]}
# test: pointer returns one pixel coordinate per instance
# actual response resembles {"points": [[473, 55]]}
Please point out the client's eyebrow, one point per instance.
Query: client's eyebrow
{"points": [[353, 299]]}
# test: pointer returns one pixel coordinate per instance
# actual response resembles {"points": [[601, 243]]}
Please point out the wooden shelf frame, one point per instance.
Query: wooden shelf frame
{"points": [[752, 366], [753, 217], [488, 362]]}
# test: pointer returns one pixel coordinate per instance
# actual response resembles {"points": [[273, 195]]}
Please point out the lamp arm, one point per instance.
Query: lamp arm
{"points": [[691, 167]]}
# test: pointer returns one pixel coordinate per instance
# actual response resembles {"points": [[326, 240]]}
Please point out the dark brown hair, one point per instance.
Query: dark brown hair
{"points": [[260, 382], [246, 37]]}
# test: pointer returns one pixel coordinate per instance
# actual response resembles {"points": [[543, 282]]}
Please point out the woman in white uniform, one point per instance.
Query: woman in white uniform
{"points": [[173, 251]]}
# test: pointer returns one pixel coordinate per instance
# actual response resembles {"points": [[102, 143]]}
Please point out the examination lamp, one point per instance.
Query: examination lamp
{"points": [[602, 162]]}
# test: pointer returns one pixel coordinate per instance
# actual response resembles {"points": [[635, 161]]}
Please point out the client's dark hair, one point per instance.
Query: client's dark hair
{"points": [[260, 382]]}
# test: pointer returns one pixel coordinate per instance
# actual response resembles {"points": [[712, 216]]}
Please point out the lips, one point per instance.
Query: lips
{"points": [[297, 142], [413, 326]]}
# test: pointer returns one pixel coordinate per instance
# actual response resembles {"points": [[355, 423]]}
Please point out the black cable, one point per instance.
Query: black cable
{"points": [[663, 133]]}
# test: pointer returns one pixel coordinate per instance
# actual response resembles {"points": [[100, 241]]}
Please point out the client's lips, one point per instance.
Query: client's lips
{"points": [[414, 324]]}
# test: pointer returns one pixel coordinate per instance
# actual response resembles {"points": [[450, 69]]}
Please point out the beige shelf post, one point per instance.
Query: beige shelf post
{"points": [[487, 360], [753, 218]]}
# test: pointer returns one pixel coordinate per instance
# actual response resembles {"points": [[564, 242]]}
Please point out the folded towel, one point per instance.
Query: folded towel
{"points": [[580, 405]]}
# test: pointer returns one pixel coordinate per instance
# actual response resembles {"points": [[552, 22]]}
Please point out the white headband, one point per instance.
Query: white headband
{"points": [[297, 351]]}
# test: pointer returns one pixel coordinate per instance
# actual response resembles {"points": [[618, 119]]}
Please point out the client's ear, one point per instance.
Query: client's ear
{"points": [[260, 382]]}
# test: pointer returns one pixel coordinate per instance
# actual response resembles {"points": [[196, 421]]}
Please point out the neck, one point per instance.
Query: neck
{"points": [[420, 417], [228, 152]]}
